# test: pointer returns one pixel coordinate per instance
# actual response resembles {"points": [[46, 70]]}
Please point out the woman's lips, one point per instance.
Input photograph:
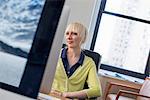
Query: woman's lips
{"points": [[69, 42]]}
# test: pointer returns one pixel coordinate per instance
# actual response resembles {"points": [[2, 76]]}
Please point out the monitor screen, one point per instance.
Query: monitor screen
{"points": [[27, 31], [18, 26]]}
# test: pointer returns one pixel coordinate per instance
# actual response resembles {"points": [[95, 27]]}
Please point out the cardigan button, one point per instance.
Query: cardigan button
{"points": [[68, 72]]}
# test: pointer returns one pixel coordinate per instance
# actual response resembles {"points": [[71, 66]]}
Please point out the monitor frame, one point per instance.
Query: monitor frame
{"points": [[39, 52], [56, 47]]}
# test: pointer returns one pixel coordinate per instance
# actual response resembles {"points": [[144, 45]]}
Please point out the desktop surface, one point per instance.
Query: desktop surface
{"points": [[7, 95], [50, 97]]}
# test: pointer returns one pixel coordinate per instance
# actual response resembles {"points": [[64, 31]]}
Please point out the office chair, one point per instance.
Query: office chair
{"points": [[143, 94]]}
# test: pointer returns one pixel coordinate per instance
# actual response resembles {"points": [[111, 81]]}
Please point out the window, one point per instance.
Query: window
{"points": [[122, 36]]}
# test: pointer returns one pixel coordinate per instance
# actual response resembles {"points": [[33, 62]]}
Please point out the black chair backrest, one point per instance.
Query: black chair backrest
{"points": [[95, 56]]}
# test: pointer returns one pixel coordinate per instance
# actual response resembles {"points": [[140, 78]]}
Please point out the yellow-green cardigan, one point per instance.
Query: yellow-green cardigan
{"points": [[86, 72]]}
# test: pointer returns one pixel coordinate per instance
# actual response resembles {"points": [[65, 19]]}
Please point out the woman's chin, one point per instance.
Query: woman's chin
{"points": [[70, 46]]}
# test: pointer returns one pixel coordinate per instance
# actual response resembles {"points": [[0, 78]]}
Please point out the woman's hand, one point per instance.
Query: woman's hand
{"points": [[62, 96], [70, 95], [65, 94], [75, 95], [55, 92]]}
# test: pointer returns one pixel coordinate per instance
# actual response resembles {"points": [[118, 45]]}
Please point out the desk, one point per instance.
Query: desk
{"points": [[50, 97]]}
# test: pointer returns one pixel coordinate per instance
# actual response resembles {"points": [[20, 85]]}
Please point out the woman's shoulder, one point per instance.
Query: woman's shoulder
{"points": [[62, 52], [89, 59]]}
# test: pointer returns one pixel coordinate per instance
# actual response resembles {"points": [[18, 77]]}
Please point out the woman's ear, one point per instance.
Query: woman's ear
{"points": [[83, 40], [85, 34]]}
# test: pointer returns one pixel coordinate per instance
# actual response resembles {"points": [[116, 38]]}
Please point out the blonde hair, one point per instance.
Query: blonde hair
{"points": [[79, 28]]}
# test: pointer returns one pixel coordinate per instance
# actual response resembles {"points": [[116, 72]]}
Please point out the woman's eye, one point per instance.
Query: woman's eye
{"points": [[67, 33], [75, 33]]}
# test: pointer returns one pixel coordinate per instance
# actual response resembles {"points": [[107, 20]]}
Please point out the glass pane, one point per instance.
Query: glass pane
{"points": [[135, 8], [123, 43]]}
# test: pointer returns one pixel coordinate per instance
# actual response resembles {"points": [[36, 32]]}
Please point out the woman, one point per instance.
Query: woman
{"points": [[74, 68]]}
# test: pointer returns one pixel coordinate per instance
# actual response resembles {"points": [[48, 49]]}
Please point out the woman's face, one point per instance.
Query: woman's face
{"points": [[73, 39]]}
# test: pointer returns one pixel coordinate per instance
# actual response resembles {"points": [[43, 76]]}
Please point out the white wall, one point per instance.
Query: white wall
{"points": [[84, 11]]}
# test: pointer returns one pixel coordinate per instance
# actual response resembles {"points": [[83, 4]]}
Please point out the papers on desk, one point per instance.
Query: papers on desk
{"points": [[120, 76], [42, 96]]}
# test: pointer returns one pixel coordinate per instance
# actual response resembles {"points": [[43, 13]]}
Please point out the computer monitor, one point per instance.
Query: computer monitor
{"points": [[56, 47], [29, 30]]}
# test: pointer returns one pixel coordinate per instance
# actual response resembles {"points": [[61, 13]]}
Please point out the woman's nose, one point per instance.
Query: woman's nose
{"points": [[69, 36]]}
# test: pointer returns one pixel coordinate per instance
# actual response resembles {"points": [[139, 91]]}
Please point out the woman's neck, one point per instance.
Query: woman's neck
{"points": [[73, 55], [74, 52]]}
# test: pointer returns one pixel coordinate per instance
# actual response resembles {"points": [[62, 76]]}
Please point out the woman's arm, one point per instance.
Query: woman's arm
{"points": [[77, 94], [93, 82]]}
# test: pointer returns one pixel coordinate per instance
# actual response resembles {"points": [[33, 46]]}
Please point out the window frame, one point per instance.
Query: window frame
{"points": [[113, 68]]}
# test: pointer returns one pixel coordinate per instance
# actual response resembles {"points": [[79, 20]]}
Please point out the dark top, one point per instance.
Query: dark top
{"points": [[70, 70]]}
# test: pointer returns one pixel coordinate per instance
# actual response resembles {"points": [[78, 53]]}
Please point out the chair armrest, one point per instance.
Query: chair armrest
{"points": [[119, 84], [123, 85], [129, 92]]}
